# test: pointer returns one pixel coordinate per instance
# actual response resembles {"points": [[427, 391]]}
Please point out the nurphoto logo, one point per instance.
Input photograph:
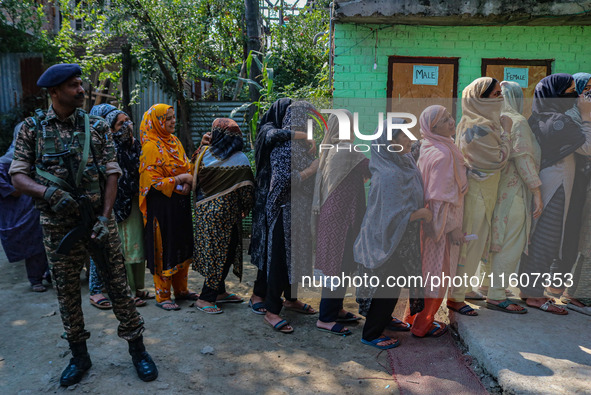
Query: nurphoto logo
{"points": [[393, 121]]}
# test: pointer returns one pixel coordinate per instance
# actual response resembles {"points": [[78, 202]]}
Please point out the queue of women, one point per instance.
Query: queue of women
{"points": [[519, 187]]}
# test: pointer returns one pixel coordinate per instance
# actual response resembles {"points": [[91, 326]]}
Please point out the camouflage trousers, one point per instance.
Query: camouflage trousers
{"points": [[66, 278]]}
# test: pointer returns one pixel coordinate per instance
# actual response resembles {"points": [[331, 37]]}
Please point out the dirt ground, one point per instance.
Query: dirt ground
{"points": [[248, 357]]}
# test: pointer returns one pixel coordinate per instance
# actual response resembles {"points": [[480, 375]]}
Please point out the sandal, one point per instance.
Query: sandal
{"points": [[256, 307], [304, 309], [188, 296], [337, 329], [168, 305], [144, 295], [281, 326], [209, 309], [374, 343], [502, 306], [438, 329], [139, 302], [349, 317], [548, 305], [398, 326], [230, 298], [464, 310], [38, 288], [102, 304]]}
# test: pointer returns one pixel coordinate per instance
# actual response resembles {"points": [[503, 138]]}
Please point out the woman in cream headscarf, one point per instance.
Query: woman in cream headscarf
{"points": [[338, 207], [480, 137], [165, 184], [512, 216], [444, 177]]}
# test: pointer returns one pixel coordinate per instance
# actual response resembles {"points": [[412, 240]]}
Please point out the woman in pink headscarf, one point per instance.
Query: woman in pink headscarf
{"points": [[444, 177]]}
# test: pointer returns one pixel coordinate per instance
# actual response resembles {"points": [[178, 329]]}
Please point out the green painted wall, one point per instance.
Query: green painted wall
{"points": [[355, 77]]}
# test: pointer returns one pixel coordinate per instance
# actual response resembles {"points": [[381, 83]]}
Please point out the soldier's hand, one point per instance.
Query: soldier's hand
{"points": [[100, 231], [60, 202]]}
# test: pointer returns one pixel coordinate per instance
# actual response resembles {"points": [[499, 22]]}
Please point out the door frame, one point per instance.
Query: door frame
{"points": [[422, 60], [515, 62]]}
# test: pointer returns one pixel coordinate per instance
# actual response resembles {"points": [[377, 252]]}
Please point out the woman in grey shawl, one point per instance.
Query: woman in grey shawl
{"points": [[389, 242]]}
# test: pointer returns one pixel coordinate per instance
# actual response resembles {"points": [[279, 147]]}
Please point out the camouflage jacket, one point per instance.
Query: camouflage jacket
{"points": [[31, 146]]}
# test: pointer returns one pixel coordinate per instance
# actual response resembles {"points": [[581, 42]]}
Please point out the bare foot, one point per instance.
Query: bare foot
{"points": [[274, 319], [328, 325], [299, 306], [511, 307], [208, 307]]}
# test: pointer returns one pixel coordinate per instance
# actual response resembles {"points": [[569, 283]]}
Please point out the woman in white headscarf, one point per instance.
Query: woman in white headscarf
{"points": [[519, 182]]}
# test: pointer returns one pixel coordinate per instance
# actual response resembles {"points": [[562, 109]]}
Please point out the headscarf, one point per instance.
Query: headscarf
{"points": [[556, 132], [581, 80], [441, 162], [272, 119], [108, 112], [221, 167], [478, 133], [165, 158], [396, 191], [335, 163], [7, 157]]}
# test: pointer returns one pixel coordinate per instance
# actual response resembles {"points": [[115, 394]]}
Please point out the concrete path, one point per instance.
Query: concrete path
{"points": [[533, 353]]}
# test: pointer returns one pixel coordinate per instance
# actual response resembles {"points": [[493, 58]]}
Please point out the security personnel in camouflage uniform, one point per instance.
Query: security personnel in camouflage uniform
{"points": [[60, 157]]}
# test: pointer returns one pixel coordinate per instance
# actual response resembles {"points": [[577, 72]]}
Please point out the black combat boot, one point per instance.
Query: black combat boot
{"points": [[79, 364], [144, 365]]}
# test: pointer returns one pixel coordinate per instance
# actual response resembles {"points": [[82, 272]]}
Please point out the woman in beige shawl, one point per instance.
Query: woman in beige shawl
{"points": [[519, 182], [480, 137]]}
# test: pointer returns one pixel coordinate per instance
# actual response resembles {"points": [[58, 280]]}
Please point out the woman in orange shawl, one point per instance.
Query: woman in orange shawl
{"points": [[165, 184]]}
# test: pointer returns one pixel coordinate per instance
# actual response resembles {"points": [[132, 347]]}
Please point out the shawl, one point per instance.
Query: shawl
{"points": [[479, 131], [396, 191], [221, 167], [335, 164], [7, 157], [272, 119], [523, 143], [581, 80], [440, 161], [163, 155], [556, 132]]}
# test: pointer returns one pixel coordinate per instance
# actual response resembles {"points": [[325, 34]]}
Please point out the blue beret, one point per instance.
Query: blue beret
{"points": [[57, 74]]}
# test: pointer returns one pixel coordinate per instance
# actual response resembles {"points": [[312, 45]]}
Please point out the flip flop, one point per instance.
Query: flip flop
{"points": [[546, 307], [163, 305], [38, 288], [144, 295], [475, 296], [305, 309], [337, 329], [279, 326], [139, 302], [349, 317], [502, 306], [204, 309], [398, 326], [254, 307], [190, 296], [437, 326], [465, 310], [102, 304], [229, 299], [374, 343]]}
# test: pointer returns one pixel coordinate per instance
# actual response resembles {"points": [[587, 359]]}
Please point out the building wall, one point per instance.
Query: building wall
{"points": [[356, 78]]}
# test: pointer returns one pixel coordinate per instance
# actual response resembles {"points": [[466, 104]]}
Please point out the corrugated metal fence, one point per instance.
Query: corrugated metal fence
{"points": [[149, 95], [204, 113], [11, 86]]}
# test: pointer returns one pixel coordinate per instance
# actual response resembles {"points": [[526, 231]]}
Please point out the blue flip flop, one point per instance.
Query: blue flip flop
{"points": [[337, 329], [349, 317], [374, 343], [436, 326], [254, 307], [228, 299], [204, 309], [398, 326]]}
